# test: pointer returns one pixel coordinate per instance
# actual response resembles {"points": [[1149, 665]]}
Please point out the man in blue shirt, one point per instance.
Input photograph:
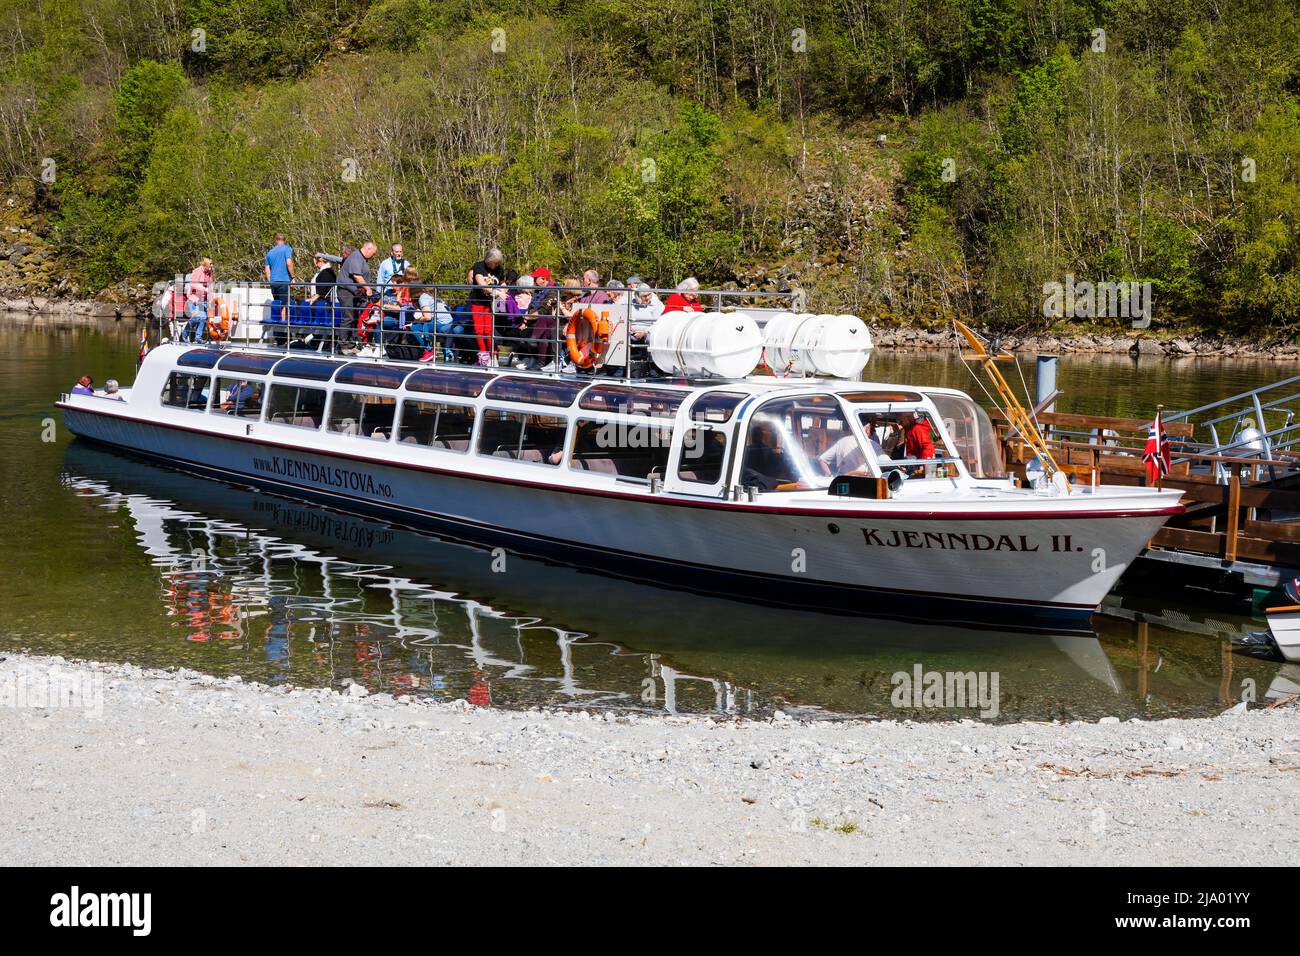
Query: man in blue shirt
{"points": [[240, 399], [394, 265], [279, 271]]}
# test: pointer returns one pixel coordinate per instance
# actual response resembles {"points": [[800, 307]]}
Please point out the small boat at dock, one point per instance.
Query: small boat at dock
{"points": [[1284, 623], [803, 491]]}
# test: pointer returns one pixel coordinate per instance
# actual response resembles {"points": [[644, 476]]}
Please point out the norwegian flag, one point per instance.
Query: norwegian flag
{"points": [[1155, 457]]}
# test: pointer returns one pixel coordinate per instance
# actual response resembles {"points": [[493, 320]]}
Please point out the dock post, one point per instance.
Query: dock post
{"points": [[1233, 517], [1045, 381], [1144, 643]]}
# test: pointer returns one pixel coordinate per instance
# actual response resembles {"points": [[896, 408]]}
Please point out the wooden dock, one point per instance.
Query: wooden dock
{"points": [[1243, 531]]}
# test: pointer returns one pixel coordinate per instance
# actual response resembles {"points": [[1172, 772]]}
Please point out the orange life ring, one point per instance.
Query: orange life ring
{"points": [[588, 339]]}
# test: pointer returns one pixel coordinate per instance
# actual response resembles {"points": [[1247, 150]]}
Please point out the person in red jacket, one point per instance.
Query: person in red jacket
{"points": [[918, 439], [686, 298]]}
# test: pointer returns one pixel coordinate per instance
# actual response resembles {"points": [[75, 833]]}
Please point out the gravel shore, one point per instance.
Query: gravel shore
{"points": [[133, 766]]}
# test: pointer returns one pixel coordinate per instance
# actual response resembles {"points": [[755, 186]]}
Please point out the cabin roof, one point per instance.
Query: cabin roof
{"points": [[555, 388]]}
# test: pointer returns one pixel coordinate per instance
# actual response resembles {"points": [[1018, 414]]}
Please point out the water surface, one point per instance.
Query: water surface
{"points": [[108, 557]]}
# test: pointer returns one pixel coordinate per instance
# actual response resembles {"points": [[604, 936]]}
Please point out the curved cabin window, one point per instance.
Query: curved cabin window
{"points": [[369, 416], [704, 453], [449, 381], [630, 400], [248, 363], [436, 425], [296, 405], [316, 370], [372, 376], [534, 391], [716, 406], [625, 448], [184, 390], [239, 396], [200, 358], [794, 444], [538, 439]]}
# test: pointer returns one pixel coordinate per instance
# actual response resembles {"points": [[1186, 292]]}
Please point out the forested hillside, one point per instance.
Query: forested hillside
{"points": [[737, 140]]}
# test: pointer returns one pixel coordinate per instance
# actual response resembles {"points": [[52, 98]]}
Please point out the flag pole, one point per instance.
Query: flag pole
{"points": [[1160, 438]]}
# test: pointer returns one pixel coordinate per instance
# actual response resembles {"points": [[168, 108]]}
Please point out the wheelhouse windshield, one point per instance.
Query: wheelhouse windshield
{"points": [[972, 433], [799, 443]]}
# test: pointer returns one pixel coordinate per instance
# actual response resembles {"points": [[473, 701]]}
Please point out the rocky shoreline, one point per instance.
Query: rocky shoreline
{"points": [[1140, 345], [68, 311], [133, 766]]}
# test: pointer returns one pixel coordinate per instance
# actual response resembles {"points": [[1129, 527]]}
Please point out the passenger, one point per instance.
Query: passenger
{"points": [[538, 350], [111, 390], [513, 321], [686, 298], [543, 290], [846, 455], [643, 308], [765, 463], [322, 294], [427, 317], [198, 300], [570, 299], [918, 438], [239, 398], [279, 270], [644, 304], [321, 288], [85, 386], [486, 276], [394, 265], [505, 318], [569, 305], [395, 311], [591, 280], [355, 291]]}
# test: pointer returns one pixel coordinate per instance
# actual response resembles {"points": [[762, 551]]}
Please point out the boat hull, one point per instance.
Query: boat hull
{"points": [[1284, 625], [1027, 571]]}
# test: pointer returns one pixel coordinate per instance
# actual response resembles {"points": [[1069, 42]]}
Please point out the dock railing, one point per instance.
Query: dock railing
{"points": [[443, 323], [1262, 421]]}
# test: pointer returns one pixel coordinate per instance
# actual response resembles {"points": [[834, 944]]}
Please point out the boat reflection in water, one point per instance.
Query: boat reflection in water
{"points": [[279, 590]]}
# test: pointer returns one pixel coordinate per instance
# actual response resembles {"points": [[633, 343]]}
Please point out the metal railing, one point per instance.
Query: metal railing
{"points": [[503, 326], [1230, 415]]}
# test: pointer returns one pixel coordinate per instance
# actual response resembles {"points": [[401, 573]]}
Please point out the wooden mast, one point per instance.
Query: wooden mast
{"points": [[1020, 419]]}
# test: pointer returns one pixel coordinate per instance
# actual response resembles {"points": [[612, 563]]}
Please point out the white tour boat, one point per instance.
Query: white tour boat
{"points": [[793, 491]]}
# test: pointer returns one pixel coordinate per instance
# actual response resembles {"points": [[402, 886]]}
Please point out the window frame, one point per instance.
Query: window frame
{"points": [[190, 374], [695, 485], [483, 420], [660, 425], [214, 407], [334, 396], [435, 399], [299, 387]]}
